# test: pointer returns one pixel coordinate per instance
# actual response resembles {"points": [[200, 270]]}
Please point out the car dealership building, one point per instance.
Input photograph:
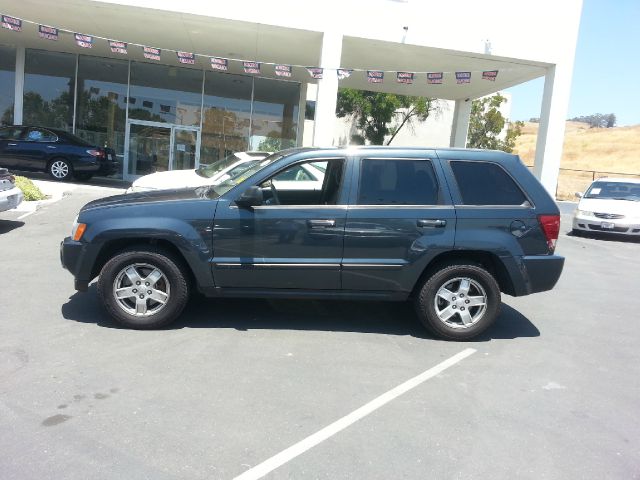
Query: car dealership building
{"points": [[188, 82]]}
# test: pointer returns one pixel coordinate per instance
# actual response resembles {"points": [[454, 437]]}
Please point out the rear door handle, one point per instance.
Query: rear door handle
{"points": [[51, 146], [12, 144], [431, 223], [321, 223]]}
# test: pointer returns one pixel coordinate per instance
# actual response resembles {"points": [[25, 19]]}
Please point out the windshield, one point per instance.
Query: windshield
{"points": [[229, 183], [614, 190], [216, 167]]}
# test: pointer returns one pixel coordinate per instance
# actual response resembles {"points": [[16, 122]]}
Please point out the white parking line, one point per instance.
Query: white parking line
{"points": [[311, 441], [26, 215]]}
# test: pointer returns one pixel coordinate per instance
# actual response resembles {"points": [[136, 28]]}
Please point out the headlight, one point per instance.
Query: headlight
{"points": [[584, 213], [77, 230]]}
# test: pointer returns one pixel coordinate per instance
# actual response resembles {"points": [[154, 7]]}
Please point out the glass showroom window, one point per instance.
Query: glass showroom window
{"points": [[160, 93], [101, 110], [7, 84], [49, 85], [274, 125], [227, 115]]}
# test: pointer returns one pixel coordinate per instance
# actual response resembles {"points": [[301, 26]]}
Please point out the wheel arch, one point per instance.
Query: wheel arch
{"points": [[488, 260], [113, 247]]}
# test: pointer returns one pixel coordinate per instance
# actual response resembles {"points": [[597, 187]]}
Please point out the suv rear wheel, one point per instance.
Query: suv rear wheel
{"points": [[458, 302], [143, 289]]}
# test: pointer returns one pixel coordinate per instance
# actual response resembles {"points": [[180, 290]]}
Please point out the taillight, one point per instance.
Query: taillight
{"points": [[551, 227]]}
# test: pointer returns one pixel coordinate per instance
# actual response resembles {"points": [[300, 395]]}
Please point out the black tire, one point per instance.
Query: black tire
{"points": [[174, 283], [60, 169], [481, 282], [83, 176], [576, 233]]}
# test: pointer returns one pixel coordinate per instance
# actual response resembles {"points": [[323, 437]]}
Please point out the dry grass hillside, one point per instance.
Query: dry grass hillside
{"points": [[601, 150]]}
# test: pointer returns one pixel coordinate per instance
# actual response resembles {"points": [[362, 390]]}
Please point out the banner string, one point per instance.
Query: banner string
{"points": [[240, 60]]}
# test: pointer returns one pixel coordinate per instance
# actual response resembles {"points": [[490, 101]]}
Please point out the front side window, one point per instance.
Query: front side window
{"points": [[305, 184], [40, 135], [397, 182], [484, 183]]}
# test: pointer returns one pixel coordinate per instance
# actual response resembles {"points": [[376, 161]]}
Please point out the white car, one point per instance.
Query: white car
{"points": [[212, 174], [609, 205], [10, 195], [303, 177]]}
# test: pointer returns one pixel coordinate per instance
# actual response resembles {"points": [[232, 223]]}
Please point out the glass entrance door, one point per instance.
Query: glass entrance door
{"points": [[158, 147]]}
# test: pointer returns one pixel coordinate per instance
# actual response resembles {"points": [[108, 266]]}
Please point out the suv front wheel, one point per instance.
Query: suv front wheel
{"points": [[458, 302], [143, 288]]}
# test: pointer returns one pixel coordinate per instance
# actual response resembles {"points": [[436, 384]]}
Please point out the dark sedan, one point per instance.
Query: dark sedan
{"points": [[54, 151]]}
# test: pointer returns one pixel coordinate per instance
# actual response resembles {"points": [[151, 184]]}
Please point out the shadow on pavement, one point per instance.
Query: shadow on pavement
{"points": [[607, 237], [390, 318], [8, 225]]}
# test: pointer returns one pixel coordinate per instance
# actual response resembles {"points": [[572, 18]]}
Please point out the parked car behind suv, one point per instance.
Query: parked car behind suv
{"points": [[10, 195], [449, 229], [54, 151]]}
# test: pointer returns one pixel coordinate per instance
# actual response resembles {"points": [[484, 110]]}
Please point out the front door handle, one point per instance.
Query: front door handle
{"points": [[12, 144], [427, 222], [51, 146], [321, 223]]}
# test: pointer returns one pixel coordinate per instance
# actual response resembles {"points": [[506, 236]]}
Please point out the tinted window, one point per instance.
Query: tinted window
{"points": [[482, 183], [40, 135], [10, 133], [397, 182]]}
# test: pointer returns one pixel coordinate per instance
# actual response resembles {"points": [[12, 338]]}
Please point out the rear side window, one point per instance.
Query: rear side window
{"points": [[483, 183], [397, 182]]}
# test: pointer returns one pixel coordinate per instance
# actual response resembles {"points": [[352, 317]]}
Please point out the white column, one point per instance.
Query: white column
{"points": [[19, 86], [460, 125], [302, 105], [553, 114], [324, 125]]}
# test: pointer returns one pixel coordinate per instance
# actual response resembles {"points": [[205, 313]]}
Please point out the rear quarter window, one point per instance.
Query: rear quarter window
{"points": [[485, 183]]}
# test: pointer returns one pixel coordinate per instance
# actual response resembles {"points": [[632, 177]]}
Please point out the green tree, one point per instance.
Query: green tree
{"points": [[379, 115], [487, 122]]}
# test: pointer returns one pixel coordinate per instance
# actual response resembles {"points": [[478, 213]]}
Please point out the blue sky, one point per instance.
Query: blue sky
{"points": [[606, 73]]}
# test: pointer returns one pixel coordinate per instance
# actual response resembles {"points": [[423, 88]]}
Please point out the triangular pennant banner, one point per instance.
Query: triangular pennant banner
{"points": [[151, 53], [186, 58], [375, 76], [118, 47], [405, 77], [83, 41], [48, 33], [315, 72], [283, 70], [344, 73], [218, 63], [11, 23], [463, 77], [434, 78], [490, 75], [251, 67]]}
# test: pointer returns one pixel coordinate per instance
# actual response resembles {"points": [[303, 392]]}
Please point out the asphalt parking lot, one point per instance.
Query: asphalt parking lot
{"points": [[551, 391]]}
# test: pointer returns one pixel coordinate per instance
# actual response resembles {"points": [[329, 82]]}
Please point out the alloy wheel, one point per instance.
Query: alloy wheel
{"points": [[141, 289], [460, 302]]}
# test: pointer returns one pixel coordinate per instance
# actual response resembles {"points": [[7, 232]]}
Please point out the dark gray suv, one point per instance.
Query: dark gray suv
{"points": [[447, 228]]}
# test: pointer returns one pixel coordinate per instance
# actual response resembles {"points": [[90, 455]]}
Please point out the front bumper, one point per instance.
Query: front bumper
{"points": [[593, 224], [10, 199], [71, 256]]}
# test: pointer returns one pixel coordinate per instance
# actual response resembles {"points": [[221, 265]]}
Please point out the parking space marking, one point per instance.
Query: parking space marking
{"points": [[26, 215], [320, 436]]}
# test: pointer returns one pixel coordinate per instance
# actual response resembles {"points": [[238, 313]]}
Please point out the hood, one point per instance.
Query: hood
{"points": [[172, 179], [628, 208], [153, 196]]}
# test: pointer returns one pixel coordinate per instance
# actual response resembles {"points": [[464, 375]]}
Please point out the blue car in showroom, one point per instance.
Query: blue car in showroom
{"points": [[59, 153]]}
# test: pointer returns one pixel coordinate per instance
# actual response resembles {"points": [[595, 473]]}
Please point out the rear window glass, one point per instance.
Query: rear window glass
{"points": [[397, 182], [483, 183]]}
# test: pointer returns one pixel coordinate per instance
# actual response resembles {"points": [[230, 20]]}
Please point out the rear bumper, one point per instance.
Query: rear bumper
{"points": [[10, 198], [541, 272], [96, 167]]}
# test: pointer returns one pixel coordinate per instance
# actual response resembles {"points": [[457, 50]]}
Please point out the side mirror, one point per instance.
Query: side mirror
{"points": [[578, 194], [251, 197]]}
